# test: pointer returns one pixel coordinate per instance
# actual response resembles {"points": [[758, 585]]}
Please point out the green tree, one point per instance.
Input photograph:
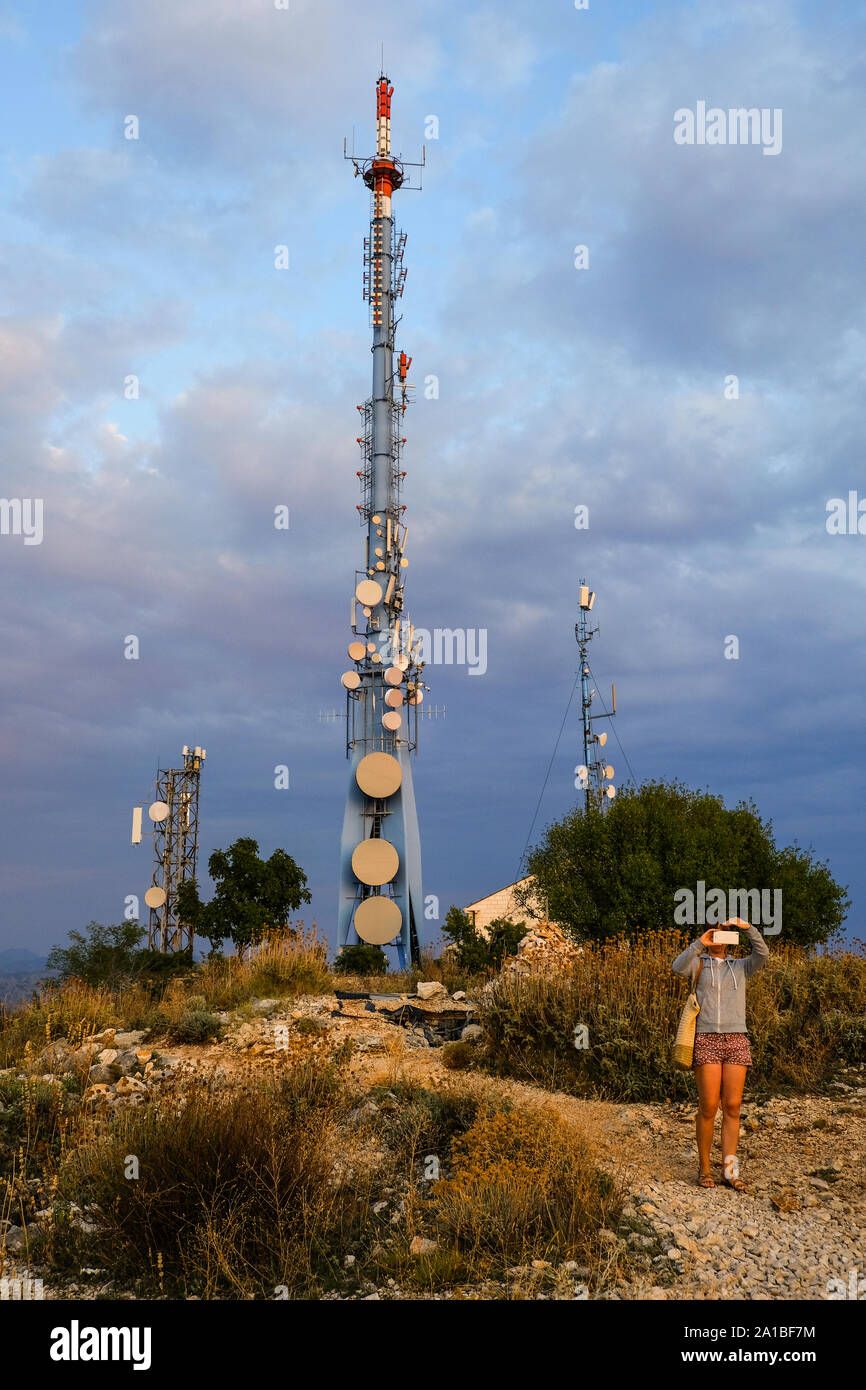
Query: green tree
{"points": [[617, 872], [253, 896], [475, 953], [100, 955]]}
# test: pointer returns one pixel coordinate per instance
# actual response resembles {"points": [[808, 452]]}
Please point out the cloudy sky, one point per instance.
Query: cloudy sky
{"points": [[558, 387]]}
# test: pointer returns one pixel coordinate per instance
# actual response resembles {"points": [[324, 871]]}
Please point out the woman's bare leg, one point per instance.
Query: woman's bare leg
{"points": [[709, 1079], [733, 1080]]}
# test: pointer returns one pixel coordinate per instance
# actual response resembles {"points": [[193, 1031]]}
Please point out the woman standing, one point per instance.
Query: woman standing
{"points": [[722, 1051]]}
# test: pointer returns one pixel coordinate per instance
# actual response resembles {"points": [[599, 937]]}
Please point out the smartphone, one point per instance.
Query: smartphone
{"points": [[725, 938]]}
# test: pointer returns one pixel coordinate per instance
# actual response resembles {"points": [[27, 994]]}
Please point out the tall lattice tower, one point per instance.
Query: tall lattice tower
{"points": [[380, 862], [175, 848]]}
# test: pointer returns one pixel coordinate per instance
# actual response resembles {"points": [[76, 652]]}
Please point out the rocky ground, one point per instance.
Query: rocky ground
{"points": [[799, 1226]]}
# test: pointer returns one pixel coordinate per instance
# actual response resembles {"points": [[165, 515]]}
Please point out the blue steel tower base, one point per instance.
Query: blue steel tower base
{"points": [[402, 832], [380, 900]]}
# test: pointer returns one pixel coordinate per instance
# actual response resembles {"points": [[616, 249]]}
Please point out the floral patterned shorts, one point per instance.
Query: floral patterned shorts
{"points": [[722, 1047]]}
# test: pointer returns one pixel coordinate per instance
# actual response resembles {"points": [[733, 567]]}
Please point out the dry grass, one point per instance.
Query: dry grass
{"points": [[69, 1013], [237, 1193], [284, 968], [523, 1187], [805, 1018]]}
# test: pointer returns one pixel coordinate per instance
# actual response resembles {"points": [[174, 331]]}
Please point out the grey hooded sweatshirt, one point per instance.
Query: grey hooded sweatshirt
{"points": [[722, 986]]}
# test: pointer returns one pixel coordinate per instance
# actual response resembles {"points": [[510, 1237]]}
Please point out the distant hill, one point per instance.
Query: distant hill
{"points": [[20, 972], [15, 961]]}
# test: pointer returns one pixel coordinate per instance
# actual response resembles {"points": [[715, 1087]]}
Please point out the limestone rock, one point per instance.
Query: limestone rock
{"points": [[422, 1246], [99, 1091], [545, 949], [427, 988], [101, 1075], [126, 1061], [82, 1056], [130, 1085]]}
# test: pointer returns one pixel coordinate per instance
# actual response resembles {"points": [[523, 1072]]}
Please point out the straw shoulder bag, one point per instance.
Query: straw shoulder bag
{"points": [[684, 1042]]}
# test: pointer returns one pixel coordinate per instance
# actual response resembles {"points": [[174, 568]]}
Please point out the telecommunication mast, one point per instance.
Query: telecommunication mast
{"points": [[175, 848], [380, 860], [593, 775]]}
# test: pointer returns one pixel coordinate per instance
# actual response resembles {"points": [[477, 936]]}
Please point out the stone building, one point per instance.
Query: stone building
{"points": [[502, 903]]}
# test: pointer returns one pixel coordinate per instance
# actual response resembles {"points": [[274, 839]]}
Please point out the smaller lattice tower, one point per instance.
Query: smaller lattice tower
{"points": [[593, 775], [174, 813]]}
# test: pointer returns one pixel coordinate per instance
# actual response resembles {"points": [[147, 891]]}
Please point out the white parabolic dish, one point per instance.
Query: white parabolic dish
{"points": [[378, 920], [379, 774], [375, 862], [369, 592]]}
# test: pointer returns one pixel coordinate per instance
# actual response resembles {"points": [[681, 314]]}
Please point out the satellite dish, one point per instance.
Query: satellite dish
{"points": [[404, 562], [394, 698], [611, 792], [602, 738], [416, 698], [350, 679], [377, 657], [377, 520], [394, 676], [608, 771], [357, 651], [375, 862], [379, 550], [378, 920], [582, 771], [402, 662], [369, 593], [158, 811], [392, 720], [155, 897], [379, 775]]}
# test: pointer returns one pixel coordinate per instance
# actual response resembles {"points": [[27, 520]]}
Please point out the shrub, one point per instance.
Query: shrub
{"points": [[158, 967], [361, 959], [426, 1122], [522, 1186], [155, 1023], [457, 1056], [194, 1026], [310, 1026], [481, 954], [106, 956]]}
